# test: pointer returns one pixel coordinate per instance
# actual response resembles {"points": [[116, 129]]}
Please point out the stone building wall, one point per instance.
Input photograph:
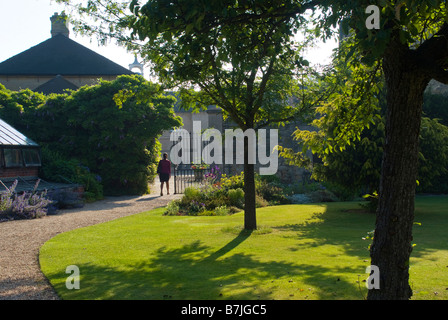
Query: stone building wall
{"points": [[287, 173], [213, 119]]}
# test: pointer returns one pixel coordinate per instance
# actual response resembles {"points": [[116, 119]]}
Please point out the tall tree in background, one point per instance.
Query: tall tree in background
{"points": [[242, 59], [347, 130], [237, 54]]}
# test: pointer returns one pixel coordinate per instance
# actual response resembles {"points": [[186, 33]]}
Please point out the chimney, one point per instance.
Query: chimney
{"points": [[59, 24]]}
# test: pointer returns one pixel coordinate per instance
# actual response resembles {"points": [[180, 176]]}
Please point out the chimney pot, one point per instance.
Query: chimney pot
{"points": [[59, 24]]}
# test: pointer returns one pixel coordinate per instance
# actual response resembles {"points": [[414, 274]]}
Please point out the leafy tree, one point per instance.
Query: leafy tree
{"points": [[111, 128], [435, 106], [433, 161], [357, 166], [412, 46], [245, 67], [349, 129], [237, 55]]}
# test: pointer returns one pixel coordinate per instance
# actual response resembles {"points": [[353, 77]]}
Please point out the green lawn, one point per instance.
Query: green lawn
{"points": [[300, 252]]}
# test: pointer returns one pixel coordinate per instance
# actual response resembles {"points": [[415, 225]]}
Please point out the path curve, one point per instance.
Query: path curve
{"points": [[20, 241]]}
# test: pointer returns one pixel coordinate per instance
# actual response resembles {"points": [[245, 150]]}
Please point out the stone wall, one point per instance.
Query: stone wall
{"points": [[436, 87], [213, 119], [287, 173]]}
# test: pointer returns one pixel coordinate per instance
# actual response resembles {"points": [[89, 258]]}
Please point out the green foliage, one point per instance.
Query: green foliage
{"points": [[433, 162], [273, 192], [348, 128], [232, 182], [15, 106], [350, 132], [110, 128], [371, 203], [221, 211], [435, 106], [346, 102], [236, 197], [225, 197], [172, 208], [57, 168], [120, 120], [191, 193], [409, 22]]}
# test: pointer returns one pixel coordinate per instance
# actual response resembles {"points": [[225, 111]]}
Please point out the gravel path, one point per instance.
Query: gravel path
{"points": [[20, 241]]}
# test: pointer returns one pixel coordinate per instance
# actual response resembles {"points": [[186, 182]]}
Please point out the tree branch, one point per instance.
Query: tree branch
{"points": [[439, 74], [432, 55]]}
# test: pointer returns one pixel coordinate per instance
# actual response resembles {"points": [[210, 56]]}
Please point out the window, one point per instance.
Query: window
{"points": [[13, 158], [31, 157]]}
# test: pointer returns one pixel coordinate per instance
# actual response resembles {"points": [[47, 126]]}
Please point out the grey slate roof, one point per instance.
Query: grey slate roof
{"points": [[56, 85], [60, 55], [11, 137]]}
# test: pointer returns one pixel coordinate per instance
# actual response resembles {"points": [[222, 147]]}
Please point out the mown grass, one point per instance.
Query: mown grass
{"points": [[299, 252]]}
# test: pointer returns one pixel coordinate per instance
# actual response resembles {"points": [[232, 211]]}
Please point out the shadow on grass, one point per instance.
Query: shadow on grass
{"points": [[194, 271], [333, 226]]}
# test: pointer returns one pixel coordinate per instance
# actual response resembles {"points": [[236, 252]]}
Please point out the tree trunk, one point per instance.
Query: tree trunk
{"points": [[250, 219], [391, 247]]}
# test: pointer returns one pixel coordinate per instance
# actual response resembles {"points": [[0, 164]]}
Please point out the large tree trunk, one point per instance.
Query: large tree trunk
{"points": [[391, 247], [250, 219]]}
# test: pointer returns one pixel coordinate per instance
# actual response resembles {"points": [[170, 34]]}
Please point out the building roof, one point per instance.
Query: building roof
{"points": [[56, 85], [60, 55], [11, 137]]}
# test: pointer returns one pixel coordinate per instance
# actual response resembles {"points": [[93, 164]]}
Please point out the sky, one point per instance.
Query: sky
{"points": [[26, 23]]}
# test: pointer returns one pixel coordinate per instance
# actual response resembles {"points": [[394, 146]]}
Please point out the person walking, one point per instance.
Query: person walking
{"points": [[164, 171]]}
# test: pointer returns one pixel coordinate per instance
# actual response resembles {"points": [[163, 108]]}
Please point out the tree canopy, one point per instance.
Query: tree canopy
{"points": [[247, 67]]}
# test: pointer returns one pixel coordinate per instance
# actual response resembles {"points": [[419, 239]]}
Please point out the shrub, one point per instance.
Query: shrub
{"points": [[216, 201], [192, 193], [371, 203], [236, 197], [64, 199], [196, 207], [221, 211], [260, 202], [232, 182], [172, 209], [27, 205], [270, 192], [322, 196], [57, 168], [225, 197]]}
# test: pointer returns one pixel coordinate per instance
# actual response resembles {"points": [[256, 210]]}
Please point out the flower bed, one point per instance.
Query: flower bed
{"points": [[26, 205]]}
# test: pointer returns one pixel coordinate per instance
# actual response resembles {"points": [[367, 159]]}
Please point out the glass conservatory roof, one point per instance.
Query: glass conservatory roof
{"points": [[11, 137]]}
